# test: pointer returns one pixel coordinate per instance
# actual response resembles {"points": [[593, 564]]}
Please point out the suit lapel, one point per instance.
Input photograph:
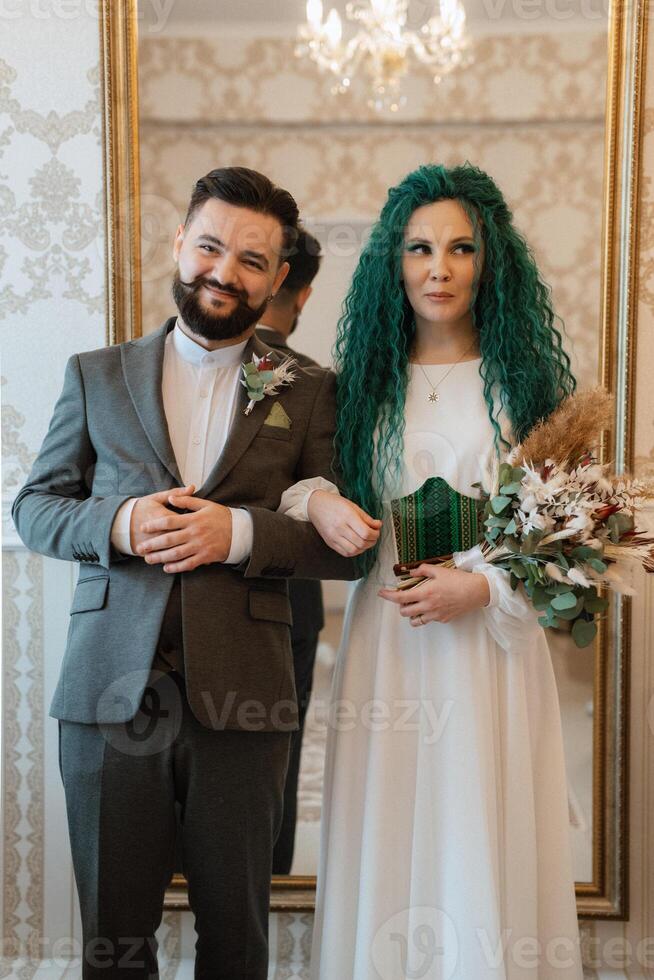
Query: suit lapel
{"points": [[273, 339], [142, 362], [244, 427]]}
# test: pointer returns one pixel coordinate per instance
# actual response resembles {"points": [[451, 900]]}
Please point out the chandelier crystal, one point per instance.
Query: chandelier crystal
{"points": [[383, 45]]}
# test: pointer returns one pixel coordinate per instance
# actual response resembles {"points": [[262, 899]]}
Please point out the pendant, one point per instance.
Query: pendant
{"points": [[434, 396]]}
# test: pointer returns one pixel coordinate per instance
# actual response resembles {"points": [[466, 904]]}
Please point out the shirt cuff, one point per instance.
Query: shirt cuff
{"points": [[120, 529], [242, 536]]}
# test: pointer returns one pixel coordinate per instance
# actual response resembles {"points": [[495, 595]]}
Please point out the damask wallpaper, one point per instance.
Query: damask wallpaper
{"points": [[51, 305], [530, 110]]}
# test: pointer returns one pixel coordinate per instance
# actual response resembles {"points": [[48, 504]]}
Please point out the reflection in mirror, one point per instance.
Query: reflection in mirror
{"points": [[221, 84]]}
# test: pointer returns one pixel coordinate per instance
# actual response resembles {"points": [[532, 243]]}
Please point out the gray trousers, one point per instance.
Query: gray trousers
{"points": [[122, 783]]}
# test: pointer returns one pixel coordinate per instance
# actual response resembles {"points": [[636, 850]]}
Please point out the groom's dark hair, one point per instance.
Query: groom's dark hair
{"points": [[246, 188]]}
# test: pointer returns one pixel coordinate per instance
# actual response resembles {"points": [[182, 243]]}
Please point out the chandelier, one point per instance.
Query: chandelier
{"points": [[383, 45]]}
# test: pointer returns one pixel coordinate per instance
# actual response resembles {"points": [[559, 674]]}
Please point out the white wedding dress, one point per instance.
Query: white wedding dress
{"points": [[445, 848]]}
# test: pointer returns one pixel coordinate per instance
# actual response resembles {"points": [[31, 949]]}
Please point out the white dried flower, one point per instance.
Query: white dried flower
{"points": [[555, 572], [577, 576]]}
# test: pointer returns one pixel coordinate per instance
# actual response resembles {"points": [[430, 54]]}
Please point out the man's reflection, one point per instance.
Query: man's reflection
{"points": [[281, 319]]}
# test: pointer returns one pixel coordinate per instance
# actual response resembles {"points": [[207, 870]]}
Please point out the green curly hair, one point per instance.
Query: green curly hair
{"points": [[520, 345]]}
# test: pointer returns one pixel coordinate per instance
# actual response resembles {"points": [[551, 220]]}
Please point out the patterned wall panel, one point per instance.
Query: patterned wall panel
{"points": [[51, 305], [529, 110], [241, 78]]}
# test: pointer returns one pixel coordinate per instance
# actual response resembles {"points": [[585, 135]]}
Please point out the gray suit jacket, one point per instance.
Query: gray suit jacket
{"points": [[108, 441]]}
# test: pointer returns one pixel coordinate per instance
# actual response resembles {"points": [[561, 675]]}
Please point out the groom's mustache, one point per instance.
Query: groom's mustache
{"points": [[215, 284]]}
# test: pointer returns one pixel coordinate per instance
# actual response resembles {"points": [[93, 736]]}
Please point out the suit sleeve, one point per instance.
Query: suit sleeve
{"points": [[55, 513], [283, 547]]}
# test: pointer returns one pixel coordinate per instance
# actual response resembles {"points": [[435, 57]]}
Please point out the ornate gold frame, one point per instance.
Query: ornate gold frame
{"points": [[122, 184], [606, 896]]}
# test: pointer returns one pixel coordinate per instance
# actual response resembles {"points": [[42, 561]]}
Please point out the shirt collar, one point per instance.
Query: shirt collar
{"points": [[194, 353]]}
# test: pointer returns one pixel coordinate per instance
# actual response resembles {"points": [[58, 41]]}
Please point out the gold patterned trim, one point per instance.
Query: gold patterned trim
{"points": [[607, 895], [119, 77]]}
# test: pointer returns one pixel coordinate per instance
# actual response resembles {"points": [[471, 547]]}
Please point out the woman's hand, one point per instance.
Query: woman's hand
{"points": [[447, 593], [342, 524]]}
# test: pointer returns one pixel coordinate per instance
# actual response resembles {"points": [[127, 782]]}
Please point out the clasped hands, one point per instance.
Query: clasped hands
{"points": [[180, 542], [446, 593]]}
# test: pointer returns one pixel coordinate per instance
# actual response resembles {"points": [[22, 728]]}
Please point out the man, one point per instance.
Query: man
{"points": [[177, 681], [281, 319]]}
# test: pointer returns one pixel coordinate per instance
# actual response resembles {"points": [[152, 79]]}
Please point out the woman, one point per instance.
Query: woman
{"points": [[445, 849]]}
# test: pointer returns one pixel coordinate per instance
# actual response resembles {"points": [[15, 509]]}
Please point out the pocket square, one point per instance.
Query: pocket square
{"points": [[278, 417]]}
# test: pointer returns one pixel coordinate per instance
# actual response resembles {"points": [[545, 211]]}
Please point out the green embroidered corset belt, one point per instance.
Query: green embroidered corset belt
{"points": [[435, 520]]}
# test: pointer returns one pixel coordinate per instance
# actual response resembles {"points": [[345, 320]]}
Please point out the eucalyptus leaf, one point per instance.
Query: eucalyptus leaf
{"points": [[572, 613], [530, 542], [567, 600], [614, 528], [583, 632], [511, 527], [595, 604], [550, 621], [557, 588], [511, 488], [583, 552], [499, 503], [497, 522], [505, 472], [517, 568], [540, 599]]}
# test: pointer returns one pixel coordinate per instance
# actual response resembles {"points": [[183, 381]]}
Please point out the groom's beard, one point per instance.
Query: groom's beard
{"points": [[210, 322]]}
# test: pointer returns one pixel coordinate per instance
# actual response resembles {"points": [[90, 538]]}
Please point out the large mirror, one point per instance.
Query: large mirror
{"points": [[543, 103]]}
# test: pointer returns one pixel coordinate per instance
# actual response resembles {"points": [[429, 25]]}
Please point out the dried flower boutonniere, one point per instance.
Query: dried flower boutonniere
{"points": [[261, 378]]}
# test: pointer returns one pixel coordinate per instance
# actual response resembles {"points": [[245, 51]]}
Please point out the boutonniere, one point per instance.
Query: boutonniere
{"points": [[261, 378]]}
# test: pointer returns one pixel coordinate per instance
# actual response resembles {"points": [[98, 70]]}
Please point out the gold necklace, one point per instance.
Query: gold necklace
{"points": [[433, 394]]}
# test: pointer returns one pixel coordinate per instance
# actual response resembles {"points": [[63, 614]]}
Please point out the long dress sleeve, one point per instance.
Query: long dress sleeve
{"points": [[295, 500], [510, 616]]}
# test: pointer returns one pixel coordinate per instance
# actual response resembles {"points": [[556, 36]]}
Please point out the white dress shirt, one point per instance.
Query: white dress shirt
{"points": [[199, 390]]}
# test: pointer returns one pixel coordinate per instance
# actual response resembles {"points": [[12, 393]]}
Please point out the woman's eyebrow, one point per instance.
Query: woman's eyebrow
{"points": [[453, 241]]}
